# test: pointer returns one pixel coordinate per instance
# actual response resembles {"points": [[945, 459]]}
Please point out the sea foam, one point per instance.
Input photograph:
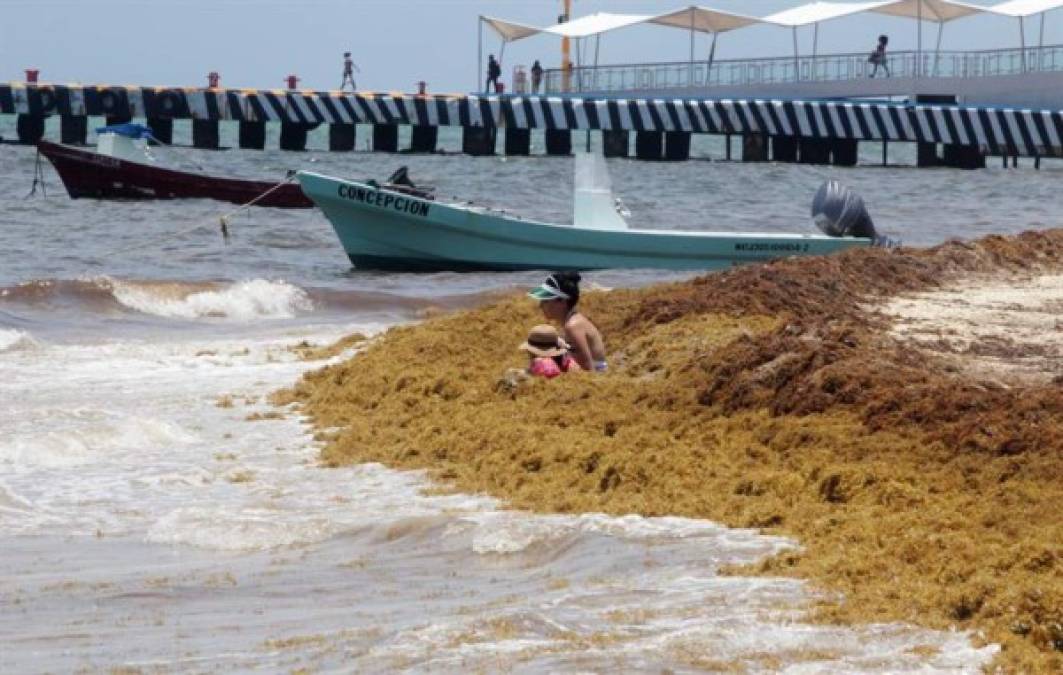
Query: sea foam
{"points": [[241, 301], [12, 339]]}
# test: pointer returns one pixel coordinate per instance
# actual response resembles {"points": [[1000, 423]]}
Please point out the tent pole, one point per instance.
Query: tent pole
{"points": [[712, 56], [937, 51], [1041, 45], [797, 64], [580, 47], [815, 47], [919, 40], [690, 75], [566, 64], [1022, 41], [597, 45]]}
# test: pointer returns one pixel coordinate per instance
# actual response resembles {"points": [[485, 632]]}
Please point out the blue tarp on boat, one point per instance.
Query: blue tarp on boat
{"points": [[129, 130]]}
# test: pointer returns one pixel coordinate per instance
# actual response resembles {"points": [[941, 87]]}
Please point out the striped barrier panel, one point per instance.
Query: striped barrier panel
{"points": [[1010, 131]]}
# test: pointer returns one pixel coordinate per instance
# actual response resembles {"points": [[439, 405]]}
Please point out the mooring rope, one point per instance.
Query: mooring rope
{"points": [[223, 220], [38, 177]]}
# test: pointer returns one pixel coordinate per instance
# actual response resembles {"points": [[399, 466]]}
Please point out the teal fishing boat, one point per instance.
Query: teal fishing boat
{"points": [[400, 228]]}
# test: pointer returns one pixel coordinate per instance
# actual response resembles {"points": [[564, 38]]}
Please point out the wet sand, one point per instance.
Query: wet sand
{"points": [[899, 413]]}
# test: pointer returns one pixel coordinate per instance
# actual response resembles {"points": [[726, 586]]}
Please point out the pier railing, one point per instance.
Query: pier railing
{"points": [[787, 70]]}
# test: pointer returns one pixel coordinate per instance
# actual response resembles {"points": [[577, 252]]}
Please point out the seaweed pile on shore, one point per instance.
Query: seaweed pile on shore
{"points": [[773, 396]]}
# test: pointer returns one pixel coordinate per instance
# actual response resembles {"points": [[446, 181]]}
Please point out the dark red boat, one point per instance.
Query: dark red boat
{"points": [[98, 176]]}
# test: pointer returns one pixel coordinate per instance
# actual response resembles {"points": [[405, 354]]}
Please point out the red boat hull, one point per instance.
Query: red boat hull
{"points": [[90, 174]]}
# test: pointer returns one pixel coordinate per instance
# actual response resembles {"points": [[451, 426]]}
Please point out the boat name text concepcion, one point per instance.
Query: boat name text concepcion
{"points": [[384, 200]]}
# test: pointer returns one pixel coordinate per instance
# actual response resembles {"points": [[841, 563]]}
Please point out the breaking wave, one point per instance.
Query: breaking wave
{"points": [[12, 339], [240, 301]]}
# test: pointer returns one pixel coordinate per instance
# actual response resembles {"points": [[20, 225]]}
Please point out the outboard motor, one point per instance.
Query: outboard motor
{"points": [[401, 177], [840, 212], [400, 182]]}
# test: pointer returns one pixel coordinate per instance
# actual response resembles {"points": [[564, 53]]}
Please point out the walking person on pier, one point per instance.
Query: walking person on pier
{"points": [[537, 76], [348, 72], [494, 71], [878, 56]]}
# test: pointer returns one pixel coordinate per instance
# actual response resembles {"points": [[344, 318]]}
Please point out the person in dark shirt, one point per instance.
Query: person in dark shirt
{"points": [[348, 72], [494, 71], [878, 56], [537, 76]]}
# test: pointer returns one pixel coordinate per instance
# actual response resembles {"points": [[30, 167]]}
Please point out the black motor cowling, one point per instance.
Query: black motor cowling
{"points": [[401, 177], [840, 212]]}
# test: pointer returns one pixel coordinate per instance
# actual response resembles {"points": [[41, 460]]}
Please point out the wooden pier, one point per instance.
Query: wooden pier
{"points": [[812, 131]]}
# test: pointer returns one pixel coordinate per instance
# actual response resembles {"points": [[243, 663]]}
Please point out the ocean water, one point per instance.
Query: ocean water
{"points": [[156, 512]]}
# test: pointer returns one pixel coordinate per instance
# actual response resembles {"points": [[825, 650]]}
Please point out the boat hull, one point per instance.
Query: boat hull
{"points": [[382, 229], [92, 175]]}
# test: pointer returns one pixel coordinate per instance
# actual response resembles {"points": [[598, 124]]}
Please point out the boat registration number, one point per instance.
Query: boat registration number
{"points": [[786, 247]]}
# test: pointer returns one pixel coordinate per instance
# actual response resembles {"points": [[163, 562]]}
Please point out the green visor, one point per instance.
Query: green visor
{"points": [[544, 292]]}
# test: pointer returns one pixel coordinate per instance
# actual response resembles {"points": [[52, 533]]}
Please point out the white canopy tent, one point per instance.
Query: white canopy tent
{"points": [[1020, 9], [697, 19], [694, 19], [508, 31], [815, 12], [593, 25], [585, 26], [704, 20], [938, 11]]}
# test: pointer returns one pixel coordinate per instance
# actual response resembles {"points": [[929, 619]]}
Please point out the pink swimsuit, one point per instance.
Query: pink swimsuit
{"points": [[545, 366]]}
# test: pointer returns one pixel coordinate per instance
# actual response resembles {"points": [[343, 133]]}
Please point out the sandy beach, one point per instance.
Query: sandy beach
{"points": [[897, 412]]}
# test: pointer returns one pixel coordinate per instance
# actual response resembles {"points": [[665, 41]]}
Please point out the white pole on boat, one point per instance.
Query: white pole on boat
{"points": [[797, 65], [480, 53], [1022, 41]]}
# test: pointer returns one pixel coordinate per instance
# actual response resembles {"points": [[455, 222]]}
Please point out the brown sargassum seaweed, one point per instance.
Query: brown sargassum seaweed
{"points": [[768, 396]]}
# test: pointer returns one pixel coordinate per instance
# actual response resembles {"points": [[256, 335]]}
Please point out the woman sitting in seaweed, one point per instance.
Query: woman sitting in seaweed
{"points": [[558, 297]]}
